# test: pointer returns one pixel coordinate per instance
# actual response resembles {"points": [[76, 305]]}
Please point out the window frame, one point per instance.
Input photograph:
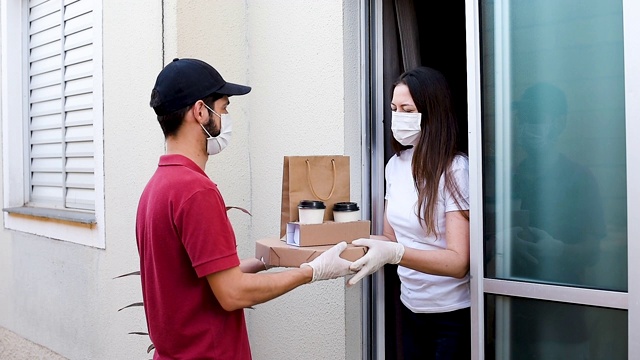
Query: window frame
{"points": [[629, 300], [81, 227], [630, 15]]}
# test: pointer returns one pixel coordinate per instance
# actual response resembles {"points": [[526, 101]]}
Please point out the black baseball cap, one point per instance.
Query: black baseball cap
{"points": [[185, 81], [542, 98]]}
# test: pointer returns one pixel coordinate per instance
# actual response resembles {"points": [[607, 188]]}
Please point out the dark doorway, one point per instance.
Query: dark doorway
{"points": [[438, 40]]}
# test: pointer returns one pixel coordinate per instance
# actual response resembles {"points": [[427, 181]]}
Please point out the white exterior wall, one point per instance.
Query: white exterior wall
{"points": [[62, 295], [304, 101], [302, 60]]}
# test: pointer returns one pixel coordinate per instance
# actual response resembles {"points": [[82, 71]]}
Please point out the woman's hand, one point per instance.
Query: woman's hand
{"points": [[379, 253]]}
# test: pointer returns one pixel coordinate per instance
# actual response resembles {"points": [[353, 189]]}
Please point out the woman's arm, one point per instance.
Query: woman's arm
{"points": [[452, 261]]}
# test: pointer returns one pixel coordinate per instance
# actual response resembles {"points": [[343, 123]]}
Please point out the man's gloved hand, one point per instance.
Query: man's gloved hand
{"points": [[380, 252], [519, 239], [542, 244], [329, 265]]}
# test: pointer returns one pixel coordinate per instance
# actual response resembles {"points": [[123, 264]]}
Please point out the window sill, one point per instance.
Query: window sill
{"points": [[54, 214], [73, 226]]}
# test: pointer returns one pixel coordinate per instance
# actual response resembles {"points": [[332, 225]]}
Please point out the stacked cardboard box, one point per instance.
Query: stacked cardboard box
{"points": [[304, 242], [276, 253], [327, 233]]}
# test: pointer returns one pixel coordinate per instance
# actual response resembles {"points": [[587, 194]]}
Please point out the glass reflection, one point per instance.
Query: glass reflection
{"points": [[554, 152], [557, 217], [554, 174], [539, 329]]}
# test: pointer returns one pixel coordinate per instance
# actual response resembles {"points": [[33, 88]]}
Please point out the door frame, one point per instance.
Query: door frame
{"points": [[373, 186]]}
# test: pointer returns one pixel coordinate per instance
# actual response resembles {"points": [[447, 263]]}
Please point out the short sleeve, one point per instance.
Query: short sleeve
{"points": [[207, 234], [387, 180], [460, 172]]}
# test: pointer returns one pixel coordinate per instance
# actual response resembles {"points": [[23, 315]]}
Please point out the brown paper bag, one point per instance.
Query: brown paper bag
{"points": [[323, 178]]}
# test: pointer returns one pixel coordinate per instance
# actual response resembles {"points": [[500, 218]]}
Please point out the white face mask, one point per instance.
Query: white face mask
{"points": [[534, 137], [216, 144], [406, 127]]}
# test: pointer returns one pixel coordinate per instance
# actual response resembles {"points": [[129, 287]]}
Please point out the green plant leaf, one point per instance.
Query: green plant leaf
{"points": [[131, 305], [129, 274], [138, 333], [239, 208]]}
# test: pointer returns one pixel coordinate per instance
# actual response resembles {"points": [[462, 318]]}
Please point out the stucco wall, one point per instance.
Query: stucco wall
{"points": [[132, 144], [61, 295], [292, 54], [301, 58]]}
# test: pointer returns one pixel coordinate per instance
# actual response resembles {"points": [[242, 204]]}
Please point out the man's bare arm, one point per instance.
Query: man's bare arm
{"points": [[235, 289], [252, 265]]}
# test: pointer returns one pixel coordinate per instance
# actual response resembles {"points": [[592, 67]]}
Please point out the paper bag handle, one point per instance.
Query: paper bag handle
{"points": [[333, 187]]}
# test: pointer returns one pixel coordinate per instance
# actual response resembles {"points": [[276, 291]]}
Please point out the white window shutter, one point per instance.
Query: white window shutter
{"points": [[61, 82]]}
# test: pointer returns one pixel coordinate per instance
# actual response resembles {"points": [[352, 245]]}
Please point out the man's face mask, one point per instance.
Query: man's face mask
{"points": [[534, 136], [216, 144], [406, 127]]}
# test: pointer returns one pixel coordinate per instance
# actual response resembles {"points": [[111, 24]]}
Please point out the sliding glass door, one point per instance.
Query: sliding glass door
{"points": [[549, 122], [553, 100]]}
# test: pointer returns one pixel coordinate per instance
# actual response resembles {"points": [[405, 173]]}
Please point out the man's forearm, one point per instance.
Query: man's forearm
{"points": [[236, 290], [252, 265], [269, 286]]}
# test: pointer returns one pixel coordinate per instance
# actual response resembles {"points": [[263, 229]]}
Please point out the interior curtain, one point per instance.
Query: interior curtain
{"points": [[407, 24], [401, 52]]}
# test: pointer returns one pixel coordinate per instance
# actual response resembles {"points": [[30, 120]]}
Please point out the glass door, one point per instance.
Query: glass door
{"points": [[549, 124]]}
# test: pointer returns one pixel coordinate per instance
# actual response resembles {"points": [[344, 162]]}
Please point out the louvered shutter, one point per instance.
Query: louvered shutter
{"points": [[61, 104]]}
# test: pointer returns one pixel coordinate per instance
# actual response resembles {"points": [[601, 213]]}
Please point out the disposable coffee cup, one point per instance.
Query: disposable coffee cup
{"points": [[345, 212], [311, 211]]}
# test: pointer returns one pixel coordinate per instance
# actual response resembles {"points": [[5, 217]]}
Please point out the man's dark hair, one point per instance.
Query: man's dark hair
{"points": [[170, 123]]}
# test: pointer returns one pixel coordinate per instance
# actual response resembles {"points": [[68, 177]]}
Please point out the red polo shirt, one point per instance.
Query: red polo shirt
{"points": [[183, 235]]}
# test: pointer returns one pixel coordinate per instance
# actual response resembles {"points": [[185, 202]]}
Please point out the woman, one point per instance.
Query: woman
{"points": [[426, 220]]}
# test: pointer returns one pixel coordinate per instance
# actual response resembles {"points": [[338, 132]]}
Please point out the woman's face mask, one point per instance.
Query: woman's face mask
{"points": [[216, 144], [406, 127]]}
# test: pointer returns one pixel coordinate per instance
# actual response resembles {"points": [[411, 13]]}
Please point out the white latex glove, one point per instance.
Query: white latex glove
{"points": [[543, 245], [380, 252], [519, 239], [329, 265]]}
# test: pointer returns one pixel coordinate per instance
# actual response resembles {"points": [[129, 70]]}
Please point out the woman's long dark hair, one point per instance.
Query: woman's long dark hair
{"points": [[437, 146]]}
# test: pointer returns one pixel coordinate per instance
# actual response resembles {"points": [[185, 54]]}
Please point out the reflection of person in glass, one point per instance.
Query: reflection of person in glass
{"points": [[557, 238]]}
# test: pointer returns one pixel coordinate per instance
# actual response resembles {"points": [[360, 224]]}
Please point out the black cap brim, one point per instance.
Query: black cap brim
{"points": [[231, 89]]}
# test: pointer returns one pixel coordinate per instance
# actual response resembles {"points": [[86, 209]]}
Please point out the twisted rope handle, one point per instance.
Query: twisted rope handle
{"points": [[333, 187]]}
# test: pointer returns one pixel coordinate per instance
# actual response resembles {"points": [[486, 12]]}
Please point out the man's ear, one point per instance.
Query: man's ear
{"points": [[199, 112]]}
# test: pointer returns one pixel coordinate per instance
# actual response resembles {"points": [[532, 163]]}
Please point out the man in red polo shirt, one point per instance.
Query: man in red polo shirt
{"points": [[193, 284]]}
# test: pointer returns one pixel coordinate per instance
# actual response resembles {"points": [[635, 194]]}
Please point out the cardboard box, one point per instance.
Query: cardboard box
{"points": [[276, 253], [327, 233]]}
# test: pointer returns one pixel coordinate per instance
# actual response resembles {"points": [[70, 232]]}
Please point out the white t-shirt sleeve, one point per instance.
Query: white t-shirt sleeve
{"points": [[388, 171], [460, 173]]}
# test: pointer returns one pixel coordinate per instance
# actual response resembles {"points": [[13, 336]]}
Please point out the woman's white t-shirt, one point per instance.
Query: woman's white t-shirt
{"points": [[420, 292]]}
